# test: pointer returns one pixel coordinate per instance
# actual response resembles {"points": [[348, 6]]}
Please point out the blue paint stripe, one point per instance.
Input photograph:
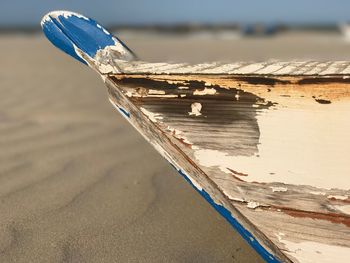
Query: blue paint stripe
{"points": [[123, 111], [85, 33], [60, 40], [267, 256]]}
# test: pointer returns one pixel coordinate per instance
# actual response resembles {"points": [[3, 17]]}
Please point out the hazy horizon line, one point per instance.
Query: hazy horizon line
{"points": [[190, 25]]}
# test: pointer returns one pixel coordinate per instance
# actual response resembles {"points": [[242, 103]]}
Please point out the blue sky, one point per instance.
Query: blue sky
{"points": [[29, 12]]}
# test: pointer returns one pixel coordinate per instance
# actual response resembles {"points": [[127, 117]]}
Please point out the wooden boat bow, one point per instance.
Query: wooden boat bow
{"points": [[266, 144]]}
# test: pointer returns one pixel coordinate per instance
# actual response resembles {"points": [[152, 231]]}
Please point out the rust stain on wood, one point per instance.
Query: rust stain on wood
{"points": [[331, 217]]}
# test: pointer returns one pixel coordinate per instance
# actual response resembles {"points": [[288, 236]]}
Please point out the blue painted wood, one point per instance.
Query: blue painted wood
{"points": [[54, 33], [68, 31]]}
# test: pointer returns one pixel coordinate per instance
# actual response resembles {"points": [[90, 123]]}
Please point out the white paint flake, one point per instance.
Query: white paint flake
{"points": [[129, 93], [103, 29], [205, 91], [157, 92], [163, 96], [317, 193], [66, 14], [278, 189], [311, 252], [46, 19], [236, 199], [196, 108], [154, 117], [343, 208], [107, 58], [180, 136], [338, 197], [253, 205]]}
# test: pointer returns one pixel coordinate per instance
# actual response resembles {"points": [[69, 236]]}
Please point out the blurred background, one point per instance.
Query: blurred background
{"points": [[224, 30], [77, 183]]}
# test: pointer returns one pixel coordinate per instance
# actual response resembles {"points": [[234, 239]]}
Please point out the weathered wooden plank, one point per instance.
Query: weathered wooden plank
{"points": [[274, 147], [298, 68]]}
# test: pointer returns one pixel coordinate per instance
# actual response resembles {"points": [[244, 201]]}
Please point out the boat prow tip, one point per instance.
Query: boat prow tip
{"points": [[84, 39]]}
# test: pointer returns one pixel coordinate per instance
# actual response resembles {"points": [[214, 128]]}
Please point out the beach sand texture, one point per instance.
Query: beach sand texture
{"points": [[78, 184]]}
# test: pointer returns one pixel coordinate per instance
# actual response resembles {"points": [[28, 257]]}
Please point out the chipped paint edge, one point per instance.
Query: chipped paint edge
{"points": [[99, 57]]}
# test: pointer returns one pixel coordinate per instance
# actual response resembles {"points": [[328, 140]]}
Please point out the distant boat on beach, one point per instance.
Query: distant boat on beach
{"points": [[345, 30], [259, 29]]}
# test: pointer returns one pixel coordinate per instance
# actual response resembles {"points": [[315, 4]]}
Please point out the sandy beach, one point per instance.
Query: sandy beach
{"points": [[79, 184]]}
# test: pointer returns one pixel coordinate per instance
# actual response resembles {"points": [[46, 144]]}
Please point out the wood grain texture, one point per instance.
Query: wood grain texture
{"points": [[268, 141], [297, 68]]}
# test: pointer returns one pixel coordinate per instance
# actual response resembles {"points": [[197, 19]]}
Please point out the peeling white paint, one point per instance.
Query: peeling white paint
{"points": [[278, 189], [103, 60], [174, 81], [107, 58], [46, 19], [194, 182], [182, 95], [163, 96], [124, 53], [253, 205], [183, 87], [154, 117], [205, 91], [311, 252], [196, 108], [302, 147], [80, 54], [317, 193], [237, 199], [129, 93], [67, 14], [103, 29], [158, 92], [343, 208], [338, 197], [180, 135]]}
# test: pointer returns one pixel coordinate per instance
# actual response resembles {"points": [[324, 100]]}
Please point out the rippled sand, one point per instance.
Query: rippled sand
{"points": [[78, 184]]}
